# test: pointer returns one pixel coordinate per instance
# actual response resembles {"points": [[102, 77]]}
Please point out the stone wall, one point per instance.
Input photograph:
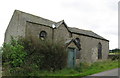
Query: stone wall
{"points": [[89, 45], [15, 28], [33, 30], [61, 33], [89, 48]]}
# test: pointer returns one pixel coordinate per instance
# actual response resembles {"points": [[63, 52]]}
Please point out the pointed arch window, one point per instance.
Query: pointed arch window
{"points": [[99, 50], [77, 40]]}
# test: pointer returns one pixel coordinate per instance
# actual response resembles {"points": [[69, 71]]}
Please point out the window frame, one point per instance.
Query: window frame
{"points": [[42, 34]]}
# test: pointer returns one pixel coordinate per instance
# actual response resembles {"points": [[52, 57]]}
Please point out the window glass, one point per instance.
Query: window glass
{"points": [[43, 35]]}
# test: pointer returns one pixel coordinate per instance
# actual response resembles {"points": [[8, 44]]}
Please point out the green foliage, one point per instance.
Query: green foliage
{"points": [[82, 67], [116, 50], [116, 57], [46, 55], [86, 70], [27, 55], [54, 56], [13, 54]]}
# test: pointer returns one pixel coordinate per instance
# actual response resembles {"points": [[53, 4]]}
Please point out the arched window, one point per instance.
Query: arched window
{"points": [[99, 50], [78, 40], [42, 35]]}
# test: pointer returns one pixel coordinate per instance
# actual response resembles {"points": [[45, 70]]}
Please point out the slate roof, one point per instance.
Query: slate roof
{"points": [[35, 19], [75, 42], [40, 20], [86, 33]]}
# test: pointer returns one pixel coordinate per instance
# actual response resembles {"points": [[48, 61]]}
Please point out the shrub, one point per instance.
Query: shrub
{"points": [[116, 57], [23, 56], [46, 55], [13, 54]]}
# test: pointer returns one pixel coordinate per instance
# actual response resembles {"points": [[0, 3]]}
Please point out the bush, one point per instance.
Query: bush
{"points": [[46, 55], [116, 57], [13, 54]]}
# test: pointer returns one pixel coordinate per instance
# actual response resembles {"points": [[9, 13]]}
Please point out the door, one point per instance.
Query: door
{"points": [[71, 57]]}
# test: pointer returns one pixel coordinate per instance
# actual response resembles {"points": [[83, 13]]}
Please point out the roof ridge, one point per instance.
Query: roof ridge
{"points": [[34, 15], [80, 29], [57, 24]]}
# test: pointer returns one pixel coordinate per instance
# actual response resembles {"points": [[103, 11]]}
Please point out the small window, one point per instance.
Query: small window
{"points": [[78, 40], [43, 35]]}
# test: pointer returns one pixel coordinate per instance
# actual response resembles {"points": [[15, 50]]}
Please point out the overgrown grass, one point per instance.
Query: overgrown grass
{"points": [[92, 69], [86, 70], [99, 67]]}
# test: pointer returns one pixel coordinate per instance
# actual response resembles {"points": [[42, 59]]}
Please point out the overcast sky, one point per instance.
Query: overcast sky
{"points": [[100, 16]]}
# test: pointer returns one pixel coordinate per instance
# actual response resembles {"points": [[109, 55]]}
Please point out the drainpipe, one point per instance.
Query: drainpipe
{"points": [[52, 35], [53, 27]]}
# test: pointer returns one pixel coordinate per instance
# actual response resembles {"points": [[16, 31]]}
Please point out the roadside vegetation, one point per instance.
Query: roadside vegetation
{"points": [[26, 57], [114, 54], [114, 51], [83, 69]]}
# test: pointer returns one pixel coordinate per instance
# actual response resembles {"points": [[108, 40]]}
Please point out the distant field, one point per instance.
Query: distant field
{"points": [[114, 53]]}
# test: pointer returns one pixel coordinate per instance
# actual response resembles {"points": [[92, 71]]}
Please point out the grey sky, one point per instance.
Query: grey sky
{"points": [[100, 16]]}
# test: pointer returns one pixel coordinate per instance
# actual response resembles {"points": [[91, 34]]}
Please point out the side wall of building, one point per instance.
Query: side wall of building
{"points": [[89, 48], [15, 28]]}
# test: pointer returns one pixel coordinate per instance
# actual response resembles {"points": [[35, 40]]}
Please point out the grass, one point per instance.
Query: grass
{"points": [[99, 67], [92, 69], [83, 70]]}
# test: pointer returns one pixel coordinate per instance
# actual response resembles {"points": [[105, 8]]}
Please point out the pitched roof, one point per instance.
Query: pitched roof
{"points": [[86, 33], [75, 42], [57, 24], [35, 19], [40, 20]]}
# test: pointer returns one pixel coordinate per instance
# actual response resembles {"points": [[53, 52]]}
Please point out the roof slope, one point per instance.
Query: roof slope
{"points": [[35, 19], [86, 33]]}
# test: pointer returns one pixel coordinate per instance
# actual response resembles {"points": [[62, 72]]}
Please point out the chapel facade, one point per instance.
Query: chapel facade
{"points": [[82, 45]]}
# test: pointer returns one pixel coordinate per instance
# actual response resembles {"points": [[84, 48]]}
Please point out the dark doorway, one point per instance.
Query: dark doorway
{"points": [[99, 51]]}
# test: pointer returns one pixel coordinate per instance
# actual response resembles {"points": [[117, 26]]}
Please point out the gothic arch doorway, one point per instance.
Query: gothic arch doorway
{"points": [[99, 50]]}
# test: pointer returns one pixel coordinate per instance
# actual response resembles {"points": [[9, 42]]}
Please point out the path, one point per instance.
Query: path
{"points": [[106, 74], [113, 72]]}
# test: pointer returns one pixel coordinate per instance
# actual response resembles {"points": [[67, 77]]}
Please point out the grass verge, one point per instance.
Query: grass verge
{"points": [[92, 69]]}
